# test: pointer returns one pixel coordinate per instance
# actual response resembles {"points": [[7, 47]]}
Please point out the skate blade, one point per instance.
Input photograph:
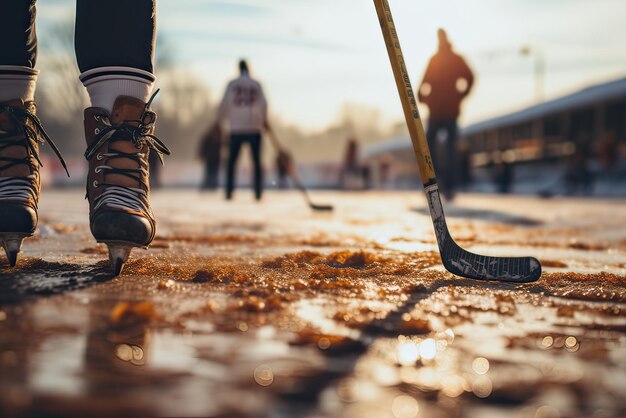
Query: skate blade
{"points": [[118, 255], [12, 246]]}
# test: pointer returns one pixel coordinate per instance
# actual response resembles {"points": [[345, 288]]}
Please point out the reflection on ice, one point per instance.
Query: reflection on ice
{"points": [[405, 407], [313, 312], [131, 353], [571, 343], [263, 375], [482, 386], [428, 349], [547, 341], [480, 365], [340, 317], [408, 353]]}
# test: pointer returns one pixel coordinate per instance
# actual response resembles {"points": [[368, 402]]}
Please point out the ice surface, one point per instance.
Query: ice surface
{"points": [[246, 309]]}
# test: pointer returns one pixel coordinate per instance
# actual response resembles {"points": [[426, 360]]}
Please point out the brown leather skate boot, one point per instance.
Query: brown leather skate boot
{"points": [[118, 186], [20, 185]]}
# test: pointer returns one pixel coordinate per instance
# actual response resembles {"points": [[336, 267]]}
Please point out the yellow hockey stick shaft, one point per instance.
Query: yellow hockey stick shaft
{"points": [[407, 96]]}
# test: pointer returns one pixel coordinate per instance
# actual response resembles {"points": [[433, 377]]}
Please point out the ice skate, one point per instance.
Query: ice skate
{"points": [[118, 186], [20, 135]]}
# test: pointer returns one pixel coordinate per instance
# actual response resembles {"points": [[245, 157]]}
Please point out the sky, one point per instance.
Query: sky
{"points": [[314, 56]]}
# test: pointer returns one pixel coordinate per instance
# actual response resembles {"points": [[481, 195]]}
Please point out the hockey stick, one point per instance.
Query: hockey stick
{"points": [[294, 175], [455, 259]]}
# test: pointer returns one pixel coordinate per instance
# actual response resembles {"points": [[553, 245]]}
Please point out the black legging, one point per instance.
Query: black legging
{"points": [[236, 141], [108, 33]]}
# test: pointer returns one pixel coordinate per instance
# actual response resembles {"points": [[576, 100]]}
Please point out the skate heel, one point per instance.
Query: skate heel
{"points": [[118, 255], [12, 245]]}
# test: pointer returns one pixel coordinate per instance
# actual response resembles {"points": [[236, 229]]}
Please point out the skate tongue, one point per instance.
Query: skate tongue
{"points": [[126, 110], [7, 126]]}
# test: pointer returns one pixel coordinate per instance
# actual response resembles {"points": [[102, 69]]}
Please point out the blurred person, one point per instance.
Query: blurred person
{"points": [[385, 170], [244, 110], [607, 151], [447, 81], [366, 175], [114, 43], [350, 166], [504, 173], [578, 177], [211, 154], [283, 165]]}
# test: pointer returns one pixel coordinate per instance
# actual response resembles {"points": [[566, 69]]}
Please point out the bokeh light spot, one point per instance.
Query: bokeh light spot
{"points": [[547, 342], [404, 407], [124, 352], [323, 343], [570, 342], [480, 365], [263, 375], [482, 387], [408, 353], [428, 349]]}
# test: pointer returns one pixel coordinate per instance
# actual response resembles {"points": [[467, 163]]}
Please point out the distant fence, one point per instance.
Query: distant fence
{"points": [[179, 173]]}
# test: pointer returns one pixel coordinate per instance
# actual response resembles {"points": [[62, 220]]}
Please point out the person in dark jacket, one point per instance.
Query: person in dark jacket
{"points": [[447, 81]]}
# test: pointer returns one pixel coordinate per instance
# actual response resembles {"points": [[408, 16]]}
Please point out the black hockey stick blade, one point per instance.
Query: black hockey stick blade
{"points": [[314, 206], [321, 208], [474, 266], [481, 267]]}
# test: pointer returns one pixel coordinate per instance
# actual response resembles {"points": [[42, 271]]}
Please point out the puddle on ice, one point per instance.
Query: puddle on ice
{"points": [[487, 367]]}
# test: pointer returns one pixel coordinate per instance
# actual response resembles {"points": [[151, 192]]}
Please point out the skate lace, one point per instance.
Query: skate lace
{"points": [[23, 188], [115, 196]]}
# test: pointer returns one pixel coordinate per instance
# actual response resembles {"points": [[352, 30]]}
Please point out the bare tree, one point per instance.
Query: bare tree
{"points": [[60, 95], [185, 111]]}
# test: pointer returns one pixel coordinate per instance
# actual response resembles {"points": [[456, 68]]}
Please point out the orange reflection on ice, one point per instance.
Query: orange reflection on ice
{"points": [[547, 342], [133, 354], [323, 343], [263, 375], [572, 344]]}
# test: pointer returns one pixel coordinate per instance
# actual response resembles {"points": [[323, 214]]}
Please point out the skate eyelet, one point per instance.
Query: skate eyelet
{"points": [[96, 131], [95, 184], [97, 170], [99, 157]]}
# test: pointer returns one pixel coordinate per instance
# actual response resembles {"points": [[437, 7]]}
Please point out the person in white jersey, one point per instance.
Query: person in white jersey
{"points": [[244, 111]]}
